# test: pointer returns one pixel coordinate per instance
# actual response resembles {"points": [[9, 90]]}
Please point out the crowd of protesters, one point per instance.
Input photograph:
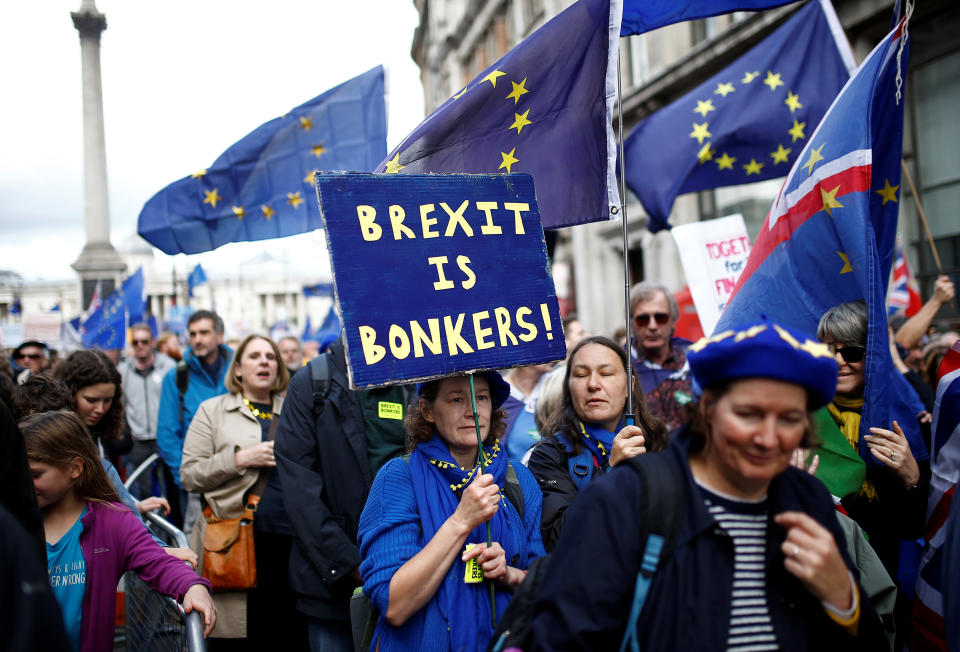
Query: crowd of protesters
{"points": [[381, 490]]}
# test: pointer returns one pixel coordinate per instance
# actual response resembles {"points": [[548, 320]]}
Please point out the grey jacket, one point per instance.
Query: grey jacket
{"points": [[141, 394]]}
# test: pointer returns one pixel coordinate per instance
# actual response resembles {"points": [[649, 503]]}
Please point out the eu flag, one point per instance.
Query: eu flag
{"points": [[318, 290], [641, 16], [544, 108], [746, 123], [104, 329], [197, 277], [829, 237], [262, 186]]}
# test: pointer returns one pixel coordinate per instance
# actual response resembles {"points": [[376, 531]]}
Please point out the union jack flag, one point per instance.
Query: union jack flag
{"points": [[905, 292]]}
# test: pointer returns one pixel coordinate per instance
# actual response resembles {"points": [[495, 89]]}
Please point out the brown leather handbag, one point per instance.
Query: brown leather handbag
{"points": [[229, 559]]}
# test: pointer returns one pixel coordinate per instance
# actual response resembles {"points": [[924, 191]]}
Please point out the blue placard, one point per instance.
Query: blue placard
{"points": [[438, 274]]}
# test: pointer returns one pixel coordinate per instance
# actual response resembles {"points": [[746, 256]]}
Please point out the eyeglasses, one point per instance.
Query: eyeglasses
{"points": [[31, 356], [643, 319], [849, 353], [135, 342]]}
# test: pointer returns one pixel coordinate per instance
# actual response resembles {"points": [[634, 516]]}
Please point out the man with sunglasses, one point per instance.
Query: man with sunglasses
{"points": [[142, 375], [32, 357], [661, 357]]}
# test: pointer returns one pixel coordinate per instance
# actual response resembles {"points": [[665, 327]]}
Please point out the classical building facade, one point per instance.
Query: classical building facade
{"points": [[457, 39]]}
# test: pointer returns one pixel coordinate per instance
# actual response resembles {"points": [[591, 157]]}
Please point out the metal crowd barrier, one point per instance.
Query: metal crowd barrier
{"points": [[156, 622]]}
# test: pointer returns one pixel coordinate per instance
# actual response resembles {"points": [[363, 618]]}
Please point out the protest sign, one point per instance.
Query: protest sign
{"points": [[438, 274], [43, 327], [713, 254]]}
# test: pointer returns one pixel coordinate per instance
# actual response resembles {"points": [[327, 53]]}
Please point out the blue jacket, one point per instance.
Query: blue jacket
{"points": [[170, 431], [587, 590], [390, 535]]}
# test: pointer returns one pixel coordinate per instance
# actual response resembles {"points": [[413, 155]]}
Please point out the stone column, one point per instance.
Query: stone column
{"points": [[98, 261]]}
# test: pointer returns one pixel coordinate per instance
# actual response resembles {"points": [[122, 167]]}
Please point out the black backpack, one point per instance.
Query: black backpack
{"points": [[663, 489]]}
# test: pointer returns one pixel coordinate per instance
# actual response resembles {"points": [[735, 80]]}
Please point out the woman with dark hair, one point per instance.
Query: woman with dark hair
{"points": [[94, 383], [891, 503], [588, 435], [754, 558], [424, 509]]}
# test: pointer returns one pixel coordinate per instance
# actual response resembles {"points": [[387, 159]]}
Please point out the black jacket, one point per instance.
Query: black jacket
{"points": [[587, 591], [326, 477]]}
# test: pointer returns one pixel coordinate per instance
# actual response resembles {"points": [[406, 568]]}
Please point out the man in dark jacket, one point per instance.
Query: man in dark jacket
{"points": [[328, 449]]}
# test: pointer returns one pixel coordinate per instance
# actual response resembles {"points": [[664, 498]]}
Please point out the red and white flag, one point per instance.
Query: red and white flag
{"points": [[904, 290]]}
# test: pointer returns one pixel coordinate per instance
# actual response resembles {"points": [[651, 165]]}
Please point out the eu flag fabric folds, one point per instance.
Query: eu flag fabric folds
{"points": [[318, 290], [105, 327], [544, 108], [746, 123], [830, 235], [262, 186], [641, 16], [197, 277]]}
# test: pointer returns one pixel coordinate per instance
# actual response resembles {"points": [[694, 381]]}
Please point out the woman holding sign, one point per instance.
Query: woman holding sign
{"points": [[589, 432], [422, 534]]}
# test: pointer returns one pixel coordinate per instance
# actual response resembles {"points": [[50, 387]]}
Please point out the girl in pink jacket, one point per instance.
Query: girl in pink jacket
{"points": [[91, 539]]}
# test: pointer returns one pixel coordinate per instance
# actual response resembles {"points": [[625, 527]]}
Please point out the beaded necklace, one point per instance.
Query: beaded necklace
{"points": [[257, 412]]}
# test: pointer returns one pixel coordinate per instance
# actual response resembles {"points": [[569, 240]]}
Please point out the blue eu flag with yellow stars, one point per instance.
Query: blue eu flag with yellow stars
{"points": [[544, 108], [105, 328], [197, 277], [641, 16], [262, 186], [746, 123], [830, 236]]}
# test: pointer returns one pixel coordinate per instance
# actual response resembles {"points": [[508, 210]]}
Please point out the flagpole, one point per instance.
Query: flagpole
{"points": [[483, 469], [628, 412]]}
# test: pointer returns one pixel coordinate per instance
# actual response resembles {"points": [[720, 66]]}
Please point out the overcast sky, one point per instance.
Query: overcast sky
{"points": [[182, 80]]}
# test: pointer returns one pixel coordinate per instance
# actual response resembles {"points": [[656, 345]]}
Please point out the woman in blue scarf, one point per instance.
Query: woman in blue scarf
{"points": [[586, 435], [423, 512]]}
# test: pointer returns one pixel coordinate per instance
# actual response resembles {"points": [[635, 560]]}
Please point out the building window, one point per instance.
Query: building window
{"points": [[532, 12]]}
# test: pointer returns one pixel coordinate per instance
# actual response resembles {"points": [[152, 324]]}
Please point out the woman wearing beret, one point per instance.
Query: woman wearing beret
{"points": [[588, 435], [757, 560], [426, 508]]}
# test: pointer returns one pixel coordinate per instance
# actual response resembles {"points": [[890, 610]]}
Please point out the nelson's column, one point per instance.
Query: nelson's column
{"points": [[99, 260]]}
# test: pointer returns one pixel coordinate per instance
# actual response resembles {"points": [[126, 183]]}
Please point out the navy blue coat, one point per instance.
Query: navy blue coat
{"points": [[587, 592]]}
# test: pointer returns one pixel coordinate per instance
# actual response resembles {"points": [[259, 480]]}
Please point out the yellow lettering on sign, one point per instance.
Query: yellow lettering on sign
{"points": [[427, 222], [387, 410], [397, 215], [456, 217], [518, 209], [443, 283], [372, 352], [370, 230], [489, 228]]}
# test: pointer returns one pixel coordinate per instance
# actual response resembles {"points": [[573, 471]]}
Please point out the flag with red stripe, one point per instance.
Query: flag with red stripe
{"points": [[904, 292], [830, 235]]}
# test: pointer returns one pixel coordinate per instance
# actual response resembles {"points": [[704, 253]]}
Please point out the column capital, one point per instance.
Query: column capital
{"points": [[89, 22]]}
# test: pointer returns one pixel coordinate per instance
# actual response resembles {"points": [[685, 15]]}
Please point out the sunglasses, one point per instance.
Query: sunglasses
{"points": [[31, 356], [135, 342], [850, 353], [643, 319]]}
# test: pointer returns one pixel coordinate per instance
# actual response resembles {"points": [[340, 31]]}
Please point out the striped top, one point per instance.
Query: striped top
{"points": [[751, 629]]}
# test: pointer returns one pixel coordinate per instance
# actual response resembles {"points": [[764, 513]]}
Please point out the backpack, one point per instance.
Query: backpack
{"points": [[663, 486], [580, 466]]}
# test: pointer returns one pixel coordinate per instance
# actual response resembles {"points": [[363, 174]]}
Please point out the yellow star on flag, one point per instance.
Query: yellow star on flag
{"points": [[267, 211], [814, 157], [294, 199], [705, 154], [888, 192], [780, 156], [318, 150], [393, 165], [458, 95], [309, 177], [749, 76], [724, 89], [725, 162], [793, 101], [492, 77], [508, 159], [704, 107], [520, 121], [830, 200], [239, 212], [700, 132], [847, 267], [773, 80], [211, 197], [753, 167], [518, 90], [306, 122], [198, 174], [797, 130]]}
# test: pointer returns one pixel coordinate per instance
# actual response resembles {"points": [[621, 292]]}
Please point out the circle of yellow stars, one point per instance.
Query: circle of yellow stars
{"points": [[520, 119], [724, 161]]}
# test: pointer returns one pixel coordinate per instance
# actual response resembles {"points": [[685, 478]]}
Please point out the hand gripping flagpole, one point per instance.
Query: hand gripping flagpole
{"points": [[628, 412], [480, 461]]}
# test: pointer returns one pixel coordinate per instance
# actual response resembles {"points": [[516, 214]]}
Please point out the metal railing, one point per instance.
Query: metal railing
{"points": [[155, 621]]}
